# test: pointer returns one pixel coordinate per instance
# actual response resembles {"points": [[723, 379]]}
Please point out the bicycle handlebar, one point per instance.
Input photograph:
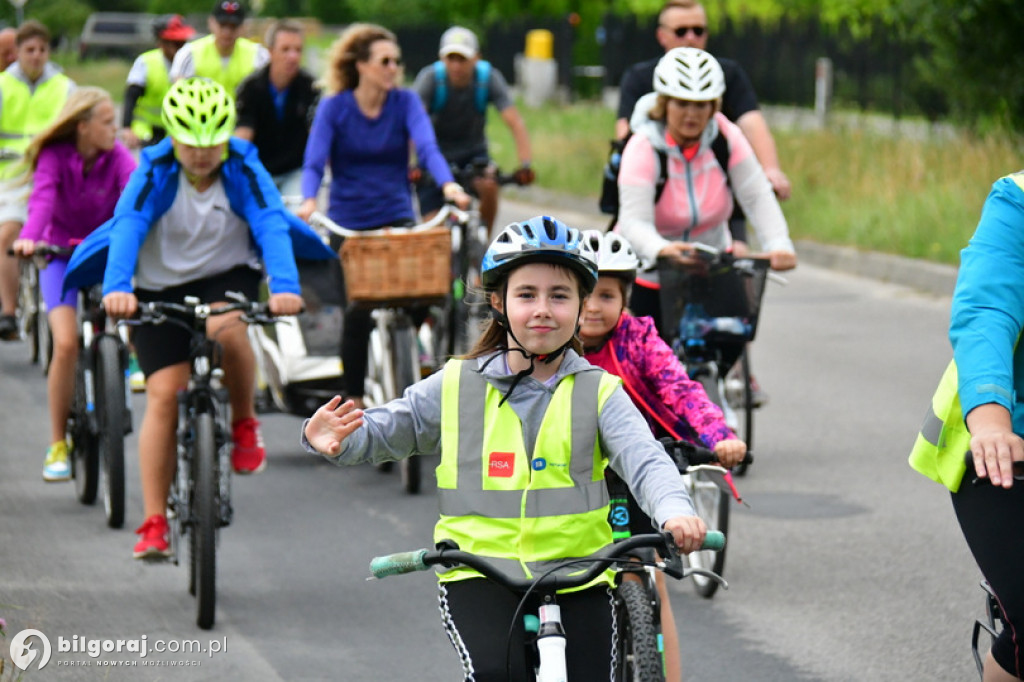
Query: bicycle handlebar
{"points": [[422, 559], [158, 312], [45, 250], [318, 219], [686, 454]]}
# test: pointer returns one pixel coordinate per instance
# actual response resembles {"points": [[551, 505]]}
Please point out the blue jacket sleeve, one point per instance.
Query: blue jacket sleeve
{"points": [[422, 133], [133, 217], [988, 302]]}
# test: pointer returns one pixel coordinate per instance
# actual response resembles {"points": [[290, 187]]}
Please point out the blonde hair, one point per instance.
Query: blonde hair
{"points": [[659, 110], [353, 45], [80, 106]]}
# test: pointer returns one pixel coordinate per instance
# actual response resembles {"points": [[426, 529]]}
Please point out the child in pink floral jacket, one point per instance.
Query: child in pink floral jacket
{"points": [[630, 348]]}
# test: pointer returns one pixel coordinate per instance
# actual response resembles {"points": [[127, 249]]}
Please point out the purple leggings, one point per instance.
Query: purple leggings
{"points": [[51, 281]]}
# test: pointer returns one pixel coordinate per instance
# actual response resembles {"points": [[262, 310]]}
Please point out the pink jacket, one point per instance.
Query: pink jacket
{"points": [[65, 204], [658, 383]]}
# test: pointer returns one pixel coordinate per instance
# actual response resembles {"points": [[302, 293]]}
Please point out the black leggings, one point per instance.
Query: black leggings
{"points": [[476, 614], [990, 518]]}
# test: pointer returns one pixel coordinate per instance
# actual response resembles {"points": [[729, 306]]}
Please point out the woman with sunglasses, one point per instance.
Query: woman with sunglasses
{"points": [[698, 194], [362, 129]]}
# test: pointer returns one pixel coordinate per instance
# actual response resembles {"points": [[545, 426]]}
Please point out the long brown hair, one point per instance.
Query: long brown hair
{"points": [[353, 45], [81, 106]]}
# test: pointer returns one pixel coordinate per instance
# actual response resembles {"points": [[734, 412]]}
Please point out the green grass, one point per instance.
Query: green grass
{"points": [[908, 197]]}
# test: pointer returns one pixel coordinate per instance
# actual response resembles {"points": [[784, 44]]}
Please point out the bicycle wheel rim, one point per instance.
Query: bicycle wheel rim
{"points": [[712, 505]]}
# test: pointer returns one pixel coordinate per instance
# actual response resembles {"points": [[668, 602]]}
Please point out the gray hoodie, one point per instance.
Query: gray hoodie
{"points": [[411, 425]]}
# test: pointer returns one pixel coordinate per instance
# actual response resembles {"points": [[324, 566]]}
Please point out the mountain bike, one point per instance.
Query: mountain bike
{"points": [[710, 487], [709, 319], [395, 272], [100, 415], [640, 659], [199, 503]]}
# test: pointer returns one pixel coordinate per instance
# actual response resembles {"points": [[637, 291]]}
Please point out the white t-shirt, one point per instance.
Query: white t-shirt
{"points": [[200, 236]]}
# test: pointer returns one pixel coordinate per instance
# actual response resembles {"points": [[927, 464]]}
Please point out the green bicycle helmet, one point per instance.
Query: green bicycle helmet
{"points": [[198, 112]]}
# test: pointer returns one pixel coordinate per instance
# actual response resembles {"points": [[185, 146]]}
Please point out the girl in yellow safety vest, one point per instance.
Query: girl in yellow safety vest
{"points": [[526, 429]]}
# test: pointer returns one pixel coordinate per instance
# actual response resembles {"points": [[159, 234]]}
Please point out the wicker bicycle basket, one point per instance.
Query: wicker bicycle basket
{"points": [[392, 267]]}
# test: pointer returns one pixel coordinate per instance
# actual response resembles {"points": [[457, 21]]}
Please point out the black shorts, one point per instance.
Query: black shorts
{"points": [[159, 346]]}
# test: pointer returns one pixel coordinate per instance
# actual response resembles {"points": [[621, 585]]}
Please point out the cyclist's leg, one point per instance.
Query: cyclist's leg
{"points": [[60, 380], [8, 267], [999, 550], [486, 189], [237, 358], [476, 615], [588, 618]]}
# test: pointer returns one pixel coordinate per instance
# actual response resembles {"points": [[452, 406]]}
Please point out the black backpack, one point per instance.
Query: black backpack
{"points": [[609, 201]]}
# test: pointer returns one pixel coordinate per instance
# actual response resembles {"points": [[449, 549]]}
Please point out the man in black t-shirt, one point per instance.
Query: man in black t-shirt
{"points": [[275, 107], [684, 23]]}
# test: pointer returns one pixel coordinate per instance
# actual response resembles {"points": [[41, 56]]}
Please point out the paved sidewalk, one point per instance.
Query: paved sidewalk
{"points": [[924, 276]]}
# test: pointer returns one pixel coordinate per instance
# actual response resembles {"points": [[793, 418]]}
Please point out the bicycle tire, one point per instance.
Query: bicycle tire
{"points": [[111, 409], [85, 463], [28, 305], [712, 505], [639, 656], [745, 410], [406, 364], [205, 523]]}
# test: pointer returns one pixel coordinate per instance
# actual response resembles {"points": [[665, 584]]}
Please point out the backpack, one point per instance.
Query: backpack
{"points": [[481, 76], [609, 201]]}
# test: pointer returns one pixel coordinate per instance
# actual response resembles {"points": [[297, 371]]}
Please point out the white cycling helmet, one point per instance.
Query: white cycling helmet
{"points": [[690, 74], [615, 255]]}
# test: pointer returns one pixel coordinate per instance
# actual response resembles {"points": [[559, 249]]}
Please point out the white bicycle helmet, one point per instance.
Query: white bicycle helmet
{"points": [[690, 74], [541, 239], [615, 255]]}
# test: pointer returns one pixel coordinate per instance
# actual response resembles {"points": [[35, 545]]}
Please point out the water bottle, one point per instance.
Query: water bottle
{"points": [[731, 325], [692, 327]]}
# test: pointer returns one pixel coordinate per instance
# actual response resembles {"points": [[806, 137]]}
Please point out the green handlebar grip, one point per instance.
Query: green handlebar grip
{"points": [[714, 541], [395, 564]]}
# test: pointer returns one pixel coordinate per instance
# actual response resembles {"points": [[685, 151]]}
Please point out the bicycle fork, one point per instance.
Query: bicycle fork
{"points": [[550, 643]]}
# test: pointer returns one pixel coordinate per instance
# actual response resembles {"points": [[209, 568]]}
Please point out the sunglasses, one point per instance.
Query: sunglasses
{"points": [[681, 31], [388, 61]]}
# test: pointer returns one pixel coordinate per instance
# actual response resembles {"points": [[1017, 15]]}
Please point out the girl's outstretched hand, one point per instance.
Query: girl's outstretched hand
{"points": [[688, 532], [730, 451], [331, 424]]}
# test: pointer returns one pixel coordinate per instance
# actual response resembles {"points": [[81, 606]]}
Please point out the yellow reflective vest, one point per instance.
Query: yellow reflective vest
{"points": [[525, 515], [26, 111], [146, 115], [209, 64], [944, 440]]}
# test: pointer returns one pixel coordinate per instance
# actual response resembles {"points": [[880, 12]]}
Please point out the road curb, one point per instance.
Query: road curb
{"points": [[924, 276]]}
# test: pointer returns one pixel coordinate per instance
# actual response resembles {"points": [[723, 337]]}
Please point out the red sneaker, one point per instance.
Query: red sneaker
{"points": [[154, 543], [247, 455]]}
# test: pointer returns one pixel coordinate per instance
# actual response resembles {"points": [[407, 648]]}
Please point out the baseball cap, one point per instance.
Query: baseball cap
{"points": [[174, 28], [459, 40], [229, 12]]}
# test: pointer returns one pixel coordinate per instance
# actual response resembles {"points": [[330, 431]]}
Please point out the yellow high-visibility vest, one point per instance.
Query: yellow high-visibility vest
{"points": [[525, 515], [26, 112], [208, 62], [146, 114]]}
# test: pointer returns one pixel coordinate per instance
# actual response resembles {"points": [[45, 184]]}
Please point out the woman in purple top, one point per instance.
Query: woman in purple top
{"points": [[363, 129], [78, 170]]}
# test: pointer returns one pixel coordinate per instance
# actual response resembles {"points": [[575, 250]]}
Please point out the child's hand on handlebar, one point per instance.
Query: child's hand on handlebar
{"points": [[285, 304], [730, 451], [687, 531], [120, 304], [331, 424], [23, 247], [782, 260]]}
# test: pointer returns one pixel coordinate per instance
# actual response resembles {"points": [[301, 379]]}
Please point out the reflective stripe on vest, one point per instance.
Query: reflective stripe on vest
{"points": [[26, 112], [944, 439], [209, 64], [526, 516], [146, 114]]}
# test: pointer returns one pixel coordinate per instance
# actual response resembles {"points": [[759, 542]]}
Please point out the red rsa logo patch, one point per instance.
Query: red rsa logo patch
{"points": [[501, 464]]}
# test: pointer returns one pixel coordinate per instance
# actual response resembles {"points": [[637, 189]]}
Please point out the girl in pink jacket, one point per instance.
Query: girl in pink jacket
{"points": [[78, 170]]}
